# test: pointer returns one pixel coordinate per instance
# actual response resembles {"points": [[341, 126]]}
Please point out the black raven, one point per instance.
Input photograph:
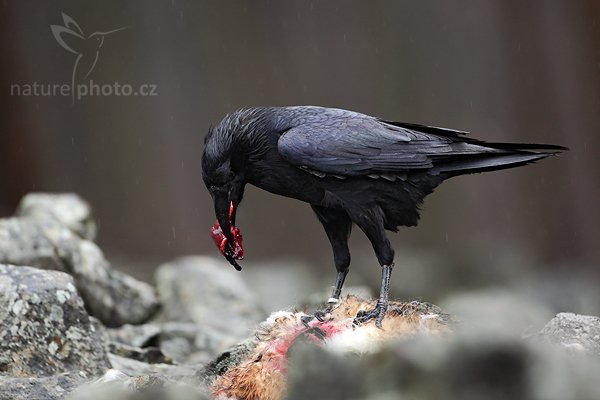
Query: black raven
{"points": [[350, 167]]}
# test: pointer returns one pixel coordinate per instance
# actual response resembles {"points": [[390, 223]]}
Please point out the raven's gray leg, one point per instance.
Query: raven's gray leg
{"points": [[337, 289], [372, 225], [337, 225], [382, 303], [340, 277]]}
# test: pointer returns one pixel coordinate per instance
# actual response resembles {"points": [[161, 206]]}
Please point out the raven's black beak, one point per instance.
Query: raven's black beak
{"points": [[222, 203], [221, 200]]}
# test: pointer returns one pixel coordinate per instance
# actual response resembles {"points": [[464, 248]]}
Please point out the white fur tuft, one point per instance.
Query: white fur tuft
{"points": [[279, 314], [361, 340]]}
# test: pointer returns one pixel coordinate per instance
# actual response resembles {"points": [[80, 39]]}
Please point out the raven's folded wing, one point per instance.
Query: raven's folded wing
{"points": [[363, 145]]}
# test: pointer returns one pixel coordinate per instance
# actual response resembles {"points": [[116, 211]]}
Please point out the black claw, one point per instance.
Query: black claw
{"points": [[321, 316], [306, 319], [378, 313]]}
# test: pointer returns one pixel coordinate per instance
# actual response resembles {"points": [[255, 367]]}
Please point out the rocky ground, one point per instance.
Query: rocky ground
{"points": [[72, 327]]}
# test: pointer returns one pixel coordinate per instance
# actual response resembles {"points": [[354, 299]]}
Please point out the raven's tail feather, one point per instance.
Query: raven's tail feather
{"points": [[510, 155]]}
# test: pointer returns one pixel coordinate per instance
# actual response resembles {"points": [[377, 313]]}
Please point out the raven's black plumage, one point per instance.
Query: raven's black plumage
{"points": [[350, 167]]}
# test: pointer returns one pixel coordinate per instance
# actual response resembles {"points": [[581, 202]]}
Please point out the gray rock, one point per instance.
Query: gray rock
{"points": [[54, 387], [193, 343], [206, 292], [137, 368], [44, 327], [574, 332], [117, 385], [26, 241], [497, 312], [182, 342], [112, 296], [67, 209], [136, 335], [42, 238], [279, 283], [149, 355]]}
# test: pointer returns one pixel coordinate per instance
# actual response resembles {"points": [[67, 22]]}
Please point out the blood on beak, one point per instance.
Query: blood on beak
{"points": [[228, 242]]}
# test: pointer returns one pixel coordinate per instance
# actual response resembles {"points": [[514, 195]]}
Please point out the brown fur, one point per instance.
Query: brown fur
{"points": [[262, 376], [401, 318]]}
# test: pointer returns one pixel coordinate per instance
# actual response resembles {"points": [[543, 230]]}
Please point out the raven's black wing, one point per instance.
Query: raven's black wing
{"points": [[353, 144], [345, 143]]}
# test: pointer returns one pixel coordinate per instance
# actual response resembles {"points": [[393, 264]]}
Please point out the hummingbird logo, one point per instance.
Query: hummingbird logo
{"points": [[87, 48]]}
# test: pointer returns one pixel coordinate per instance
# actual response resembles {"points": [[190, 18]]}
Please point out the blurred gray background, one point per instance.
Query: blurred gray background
{"points": [[503, 70]]}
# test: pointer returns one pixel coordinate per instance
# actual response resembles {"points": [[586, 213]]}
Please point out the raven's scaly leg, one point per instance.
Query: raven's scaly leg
{"points": [[372, 225], [337, 226], [337, 289], [340, 277], [382, 304]]}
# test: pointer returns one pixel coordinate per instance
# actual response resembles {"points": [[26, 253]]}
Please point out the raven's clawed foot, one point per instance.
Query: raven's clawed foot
{"points": [[305, 319], [321, 315], [325, 314], [377, 313]]}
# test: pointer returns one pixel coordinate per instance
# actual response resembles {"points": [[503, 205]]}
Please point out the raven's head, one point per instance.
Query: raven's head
{"points": [[225, 183]]}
